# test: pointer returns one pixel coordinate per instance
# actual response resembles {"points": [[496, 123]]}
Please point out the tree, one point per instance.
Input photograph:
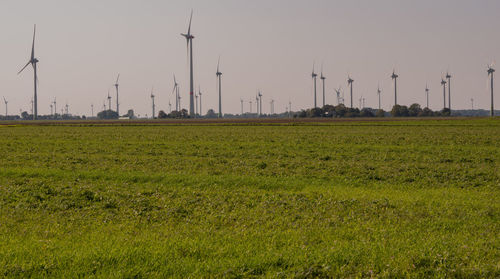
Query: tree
{"points": [[414, 110], [107, 114], [162, 114], [399, 111], [130, 114], [25, 115], [211, 114], [340, 110], [445, 112], [366, 113], [426, 112], [380, 113], [314, 112]]}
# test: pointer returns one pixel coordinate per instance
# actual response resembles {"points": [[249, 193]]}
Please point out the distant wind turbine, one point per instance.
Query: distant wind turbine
{"points": [[490, 74], [323, 81], [337, 91], [350, 82], [314, 77], [378, 93], [176, 91], [241, 101], [51, 109], [55, 108], [260, 103], [199, 94], [6, 102], [427, 94], [395, 78], [219, 77], [33, 61], [117, 101], [153, 103], [472, 103], [189, 38], [109, 101], [92, 109], [443, 83], [448, 77]]}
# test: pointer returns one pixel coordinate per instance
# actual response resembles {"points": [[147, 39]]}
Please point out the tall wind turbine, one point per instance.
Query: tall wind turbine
{"points": [[395, 78], [117, 102], [189, 38], [219, 77], [153, 103], [176, 91], [250, 102], [241, 101], [314, 77], [5, 101], [257, 103], [378, 93], [427, 94], [443, 83], [323, 81], [33, 61], [490, 73], [448, 77], [350, 82]]}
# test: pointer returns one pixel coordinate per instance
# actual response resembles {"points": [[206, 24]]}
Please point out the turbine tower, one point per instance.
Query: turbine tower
{"points": [[350, 82], [378, 93], [448, 77], [153, 103], [490, 73], [395, 78], [51, 109], [189, 38], [314, 77], [443, 83], [33, 61], [117, 102], [241, 101], [196, 104], [323, 81], [219, 76], [427, 94], [6, 111], [92, 109], [472, 103], [257, 103]]}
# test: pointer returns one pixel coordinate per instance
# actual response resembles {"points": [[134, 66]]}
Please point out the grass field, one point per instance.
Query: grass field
{"points": [[347, 199]]}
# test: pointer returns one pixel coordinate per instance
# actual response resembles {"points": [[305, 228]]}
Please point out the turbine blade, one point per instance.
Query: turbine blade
{"points": [[190, 19], [33, 45], [218, 62], [24, 67], [117, 78]]}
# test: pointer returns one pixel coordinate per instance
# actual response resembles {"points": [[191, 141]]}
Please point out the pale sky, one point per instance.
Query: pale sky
{"points": [[266, 44]]}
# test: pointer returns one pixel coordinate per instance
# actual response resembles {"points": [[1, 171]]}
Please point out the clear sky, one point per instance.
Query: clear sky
{"points": [[266, 44]]}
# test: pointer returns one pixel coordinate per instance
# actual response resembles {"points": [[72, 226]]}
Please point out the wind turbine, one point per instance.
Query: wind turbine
{"points": [[490, 73], [395, 78], [323, 81], [33, 61], [55, 108], [51, 109], [427, 94], [153, 103], [117, 103], [109, 101], [448, 77], [337, 91], [260, 103], [314, 77], [189, 38], [350, 82], [257, 103], [67, 109], [92, 109], [6, 111], [250, 102], [169, 107], [472, 103], [219, 76], [443, 83], [176, 90], [378, 93], [241, 101], [199, 94], [196, 103]]}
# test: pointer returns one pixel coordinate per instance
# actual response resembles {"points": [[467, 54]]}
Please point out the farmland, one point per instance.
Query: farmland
{"points": [[331, 199]]}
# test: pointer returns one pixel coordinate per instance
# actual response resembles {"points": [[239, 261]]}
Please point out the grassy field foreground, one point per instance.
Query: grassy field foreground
{"points": [[405, 199]]}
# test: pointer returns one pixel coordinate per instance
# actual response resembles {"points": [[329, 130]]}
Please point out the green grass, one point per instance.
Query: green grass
{"points": [[356, 199]]}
